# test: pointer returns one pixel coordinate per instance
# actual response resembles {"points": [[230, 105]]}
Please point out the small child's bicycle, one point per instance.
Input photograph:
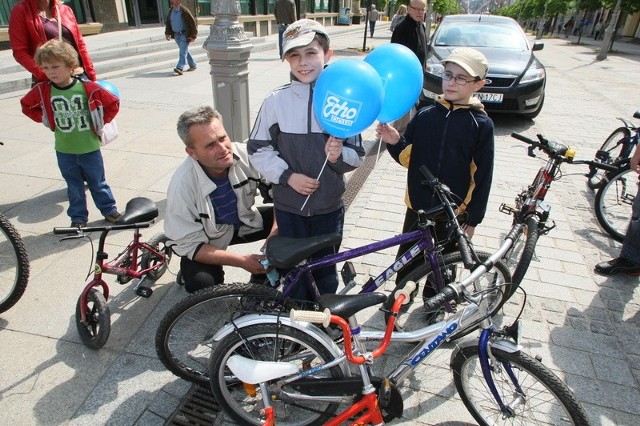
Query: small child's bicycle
{"points": [[140, 260]]}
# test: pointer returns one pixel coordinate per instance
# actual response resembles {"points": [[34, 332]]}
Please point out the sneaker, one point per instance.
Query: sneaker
{"points": [[177, 71], [113, 218], [78, 224], [192, 69]]}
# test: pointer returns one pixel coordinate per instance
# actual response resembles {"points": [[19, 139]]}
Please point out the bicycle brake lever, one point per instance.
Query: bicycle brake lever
{"points": [[73, 237]]}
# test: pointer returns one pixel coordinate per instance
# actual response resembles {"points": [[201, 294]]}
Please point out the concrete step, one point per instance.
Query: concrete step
{"points": [[128, 58]]}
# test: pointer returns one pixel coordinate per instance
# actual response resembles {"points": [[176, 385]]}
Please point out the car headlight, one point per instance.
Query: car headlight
{"points": [[534, 73], [436, 69]]}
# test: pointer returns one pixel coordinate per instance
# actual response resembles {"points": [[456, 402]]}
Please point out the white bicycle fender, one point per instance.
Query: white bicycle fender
{"points": [[254, 372], [503, 344], [305, 327]]}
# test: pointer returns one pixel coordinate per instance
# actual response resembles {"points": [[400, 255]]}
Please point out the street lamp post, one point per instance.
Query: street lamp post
{"points": [[228, 49]]}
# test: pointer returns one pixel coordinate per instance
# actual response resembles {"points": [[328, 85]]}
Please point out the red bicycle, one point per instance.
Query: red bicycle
{"points": [[139, 260]]}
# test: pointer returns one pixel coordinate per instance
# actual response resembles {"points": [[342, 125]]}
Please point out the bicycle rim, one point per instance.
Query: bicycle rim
{"points": [[183, 338], [544, 399], [613, 149], [14, 265], [270, 342], [614, 201]]}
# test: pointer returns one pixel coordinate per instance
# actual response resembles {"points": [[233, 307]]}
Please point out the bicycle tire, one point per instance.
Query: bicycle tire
{"points": [[270, 342], [182, 335], [14, 265], [542, 390], [452, 267], [95, 333], [158, 242], [530, 234], [610, 146], [613, 202]]}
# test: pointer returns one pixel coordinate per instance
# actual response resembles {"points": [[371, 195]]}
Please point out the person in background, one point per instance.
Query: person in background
{"points": [[289, 147], [211, 203], [412, 33], [373, 17], [285, 13], [629, 260], [33, 22], [75, 111], [398, 17], [181, 26]]}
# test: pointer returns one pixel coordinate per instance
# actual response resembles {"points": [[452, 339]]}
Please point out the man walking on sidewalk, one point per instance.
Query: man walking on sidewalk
{"points": [[182, 27], [285, 14]]}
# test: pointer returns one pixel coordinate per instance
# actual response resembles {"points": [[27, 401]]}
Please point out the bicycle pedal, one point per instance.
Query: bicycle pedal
{"points": [[546, 229], [123, 279], [145, 292], [504, 208]]}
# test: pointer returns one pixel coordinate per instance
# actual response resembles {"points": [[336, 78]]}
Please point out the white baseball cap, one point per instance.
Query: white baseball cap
{"points": [[301, 33], [470, 60]]}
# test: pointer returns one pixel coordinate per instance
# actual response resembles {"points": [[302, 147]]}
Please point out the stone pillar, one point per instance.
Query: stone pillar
{"points": [[228, 49]]}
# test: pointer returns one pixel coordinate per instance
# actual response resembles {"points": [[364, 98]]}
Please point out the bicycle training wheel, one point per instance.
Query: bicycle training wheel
{"points": [[522, 252], [270, 342], [183, 336], [14, 265], [613, 149], [149, 259], [95, 332], [452, 268], [613, 202], [537, 397]]}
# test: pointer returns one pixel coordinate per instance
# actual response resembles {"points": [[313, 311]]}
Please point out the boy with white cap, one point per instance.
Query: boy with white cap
{"points": [[288, 146], [454, 139]]}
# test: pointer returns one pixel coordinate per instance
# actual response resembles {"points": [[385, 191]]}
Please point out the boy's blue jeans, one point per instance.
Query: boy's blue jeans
{"points": [[183, 55], [77, 169], [296, 226]]}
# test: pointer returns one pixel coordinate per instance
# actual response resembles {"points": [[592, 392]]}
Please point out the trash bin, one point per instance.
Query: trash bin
{"points": [[344, 16]]}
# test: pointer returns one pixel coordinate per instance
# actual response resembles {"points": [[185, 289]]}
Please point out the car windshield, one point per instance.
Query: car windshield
{"points": [[481, 34]]}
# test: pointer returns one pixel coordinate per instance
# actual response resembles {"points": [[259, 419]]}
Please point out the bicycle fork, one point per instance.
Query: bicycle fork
{"points": [[489, 365]]}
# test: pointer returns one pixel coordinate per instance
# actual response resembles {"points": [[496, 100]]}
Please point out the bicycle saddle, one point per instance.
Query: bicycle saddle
{"points": [[347, 305], [139, 209], [286, 252]]}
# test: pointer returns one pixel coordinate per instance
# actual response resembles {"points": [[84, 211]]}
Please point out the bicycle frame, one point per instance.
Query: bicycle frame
{"points": [[112, 267], [430, 337]]}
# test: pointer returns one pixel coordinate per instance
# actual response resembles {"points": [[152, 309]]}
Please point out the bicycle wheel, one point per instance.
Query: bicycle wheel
{"points": [[452, 269], [149, 259], [613, 203], [270, 342], [95, 332], [522, 252], [182, 338], [542, 398], [612, 149], [14, 265]]}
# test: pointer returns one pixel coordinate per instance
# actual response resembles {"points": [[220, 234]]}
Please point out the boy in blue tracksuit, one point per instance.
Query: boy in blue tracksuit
{"points": [[454, 139]]}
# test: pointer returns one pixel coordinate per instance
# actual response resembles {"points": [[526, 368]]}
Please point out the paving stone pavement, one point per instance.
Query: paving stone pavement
{"points": [[584, 326]]}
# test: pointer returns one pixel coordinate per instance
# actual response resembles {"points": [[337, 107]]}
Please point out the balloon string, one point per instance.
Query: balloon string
{"points": [[318, 178], [378, 153]]}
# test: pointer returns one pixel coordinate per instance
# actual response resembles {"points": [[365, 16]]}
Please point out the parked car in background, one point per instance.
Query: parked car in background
{"points": [[516, 79]]}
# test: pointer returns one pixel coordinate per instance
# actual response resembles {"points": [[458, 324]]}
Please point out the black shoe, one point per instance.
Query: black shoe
{"points": [[619, 265]]}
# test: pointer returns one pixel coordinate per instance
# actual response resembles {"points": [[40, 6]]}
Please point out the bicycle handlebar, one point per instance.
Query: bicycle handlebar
{"points": [[80, 231], [452, 291], [442, 192]]}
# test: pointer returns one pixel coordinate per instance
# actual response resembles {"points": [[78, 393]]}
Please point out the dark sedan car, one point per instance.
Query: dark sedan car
{"points": [[516, 79]]}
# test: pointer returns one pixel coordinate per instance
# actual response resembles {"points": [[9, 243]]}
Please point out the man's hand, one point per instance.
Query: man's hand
{"points": [[469, 230], [251, 263], [333, 149], [302, 184], [388, 134]]}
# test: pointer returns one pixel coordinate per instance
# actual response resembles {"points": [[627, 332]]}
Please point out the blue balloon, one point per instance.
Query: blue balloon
{"points": [[401, 74], [110, 87], [347, 97]]}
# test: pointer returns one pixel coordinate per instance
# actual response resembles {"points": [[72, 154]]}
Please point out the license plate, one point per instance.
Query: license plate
{"points": [[492, 98]]}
